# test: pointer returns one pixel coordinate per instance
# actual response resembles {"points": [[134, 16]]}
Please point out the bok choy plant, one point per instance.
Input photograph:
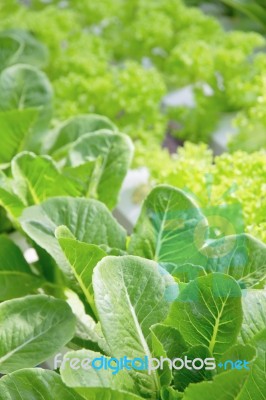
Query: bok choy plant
{"points": [[170, 290]]}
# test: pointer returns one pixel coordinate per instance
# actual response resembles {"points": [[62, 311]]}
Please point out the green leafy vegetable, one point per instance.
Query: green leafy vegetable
{"points": [[238, 352], [254, 319], [240, 256], [130, 297], [240, 385], [193, 285], [28, 50], [36, 384], [10, 49], [208, 312], [90, 377], [23, 86], [184, 377], [112, 154], [82, 257], [75, 128], [15, 130], [32, 329], [168, 217], [88, 220], [16, 277], [36, 178]]}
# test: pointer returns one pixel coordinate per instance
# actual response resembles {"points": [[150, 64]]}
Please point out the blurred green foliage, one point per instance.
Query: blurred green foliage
{"points": [[120, 58]]}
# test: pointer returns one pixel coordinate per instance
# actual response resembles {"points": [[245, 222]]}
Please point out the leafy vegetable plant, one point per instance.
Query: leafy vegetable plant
{"points": [[129, 74], [170, 290], [25, 126], [83, 151], [179, 287]]}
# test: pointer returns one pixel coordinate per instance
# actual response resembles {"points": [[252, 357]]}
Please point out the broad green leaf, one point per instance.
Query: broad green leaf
{"points": [[81, 177], [82, 258], [255, 385], [171, 229], [12, 204], [16, 277], [10, 49], [8, 199], [130, 298], [208, 312], [24, 86], [241, 256], [171, 339], [85, 375], [234, 354], [32, 51], [165, 374], [185, 376], [254, 316], [113, 153], [15, 130], [166, 227], [167, 343], [35, 384], [37, 178], [88, 334], [16, 284], [172, 346], [188, 272], [226, 386], [33, 329], [74, 128], [235, 384], [88, 220]]}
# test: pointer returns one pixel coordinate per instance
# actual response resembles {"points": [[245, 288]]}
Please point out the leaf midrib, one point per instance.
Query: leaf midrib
{"points": [[216, 327], [140, 334]]}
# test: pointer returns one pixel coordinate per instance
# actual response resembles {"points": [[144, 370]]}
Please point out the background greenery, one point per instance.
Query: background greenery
{"points": [[102, 60]]}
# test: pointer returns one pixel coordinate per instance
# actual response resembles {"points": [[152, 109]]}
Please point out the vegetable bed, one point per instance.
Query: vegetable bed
{"points": [[175, 309], [128, 74]]}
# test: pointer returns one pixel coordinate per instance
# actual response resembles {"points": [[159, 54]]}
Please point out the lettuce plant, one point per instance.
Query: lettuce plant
{"points": [[27, 122], [99, 86], [82, 151], [171, 290], [128, 75], [86, 165]]}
